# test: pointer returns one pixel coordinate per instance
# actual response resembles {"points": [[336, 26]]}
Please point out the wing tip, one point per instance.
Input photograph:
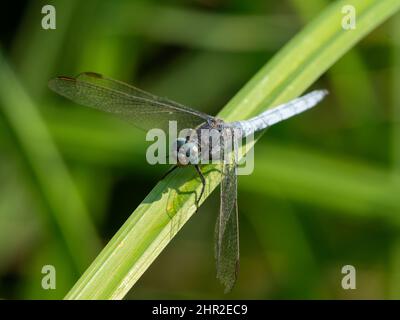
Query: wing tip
{"points": [[228, 282], [53, 83], [228, 285]]}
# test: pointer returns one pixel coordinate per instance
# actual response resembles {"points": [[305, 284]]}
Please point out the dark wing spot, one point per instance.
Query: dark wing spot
{"points": [[65, 78], [92, 74]]}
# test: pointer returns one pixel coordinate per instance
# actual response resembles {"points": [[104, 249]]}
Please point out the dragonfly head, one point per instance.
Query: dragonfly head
{"points": [[186, 152]]}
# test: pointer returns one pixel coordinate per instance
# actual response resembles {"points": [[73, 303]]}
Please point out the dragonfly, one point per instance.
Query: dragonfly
{"points": [[147, 111]]}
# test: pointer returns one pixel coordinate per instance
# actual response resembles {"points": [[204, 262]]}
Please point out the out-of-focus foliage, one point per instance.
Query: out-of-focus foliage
{"points": [[325, 188]]}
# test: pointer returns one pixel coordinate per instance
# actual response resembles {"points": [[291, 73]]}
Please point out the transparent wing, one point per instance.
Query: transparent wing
{"points": [[142, 109], [227, 229]]}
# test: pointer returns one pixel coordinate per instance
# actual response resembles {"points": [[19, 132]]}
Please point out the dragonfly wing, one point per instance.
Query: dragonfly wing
{"points": [[142, 109], [227, 229]]}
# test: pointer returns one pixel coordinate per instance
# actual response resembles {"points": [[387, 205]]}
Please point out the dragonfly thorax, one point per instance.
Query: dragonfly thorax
{"points": [[203, 145], [186, 152]]}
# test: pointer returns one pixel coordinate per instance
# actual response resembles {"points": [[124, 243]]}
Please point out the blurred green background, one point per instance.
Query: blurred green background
{"points": [[324, 193]]}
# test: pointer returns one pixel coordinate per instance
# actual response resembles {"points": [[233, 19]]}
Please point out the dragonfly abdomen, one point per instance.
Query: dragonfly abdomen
{"points": [[279, 113]]}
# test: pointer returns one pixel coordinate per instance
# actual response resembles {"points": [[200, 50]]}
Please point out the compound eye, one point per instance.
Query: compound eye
{"points": [[177, 145], [193, 154], [188, 153]]}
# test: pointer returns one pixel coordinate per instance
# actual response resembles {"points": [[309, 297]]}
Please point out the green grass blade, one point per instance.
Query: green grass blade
{"points": [[394, 277], [36, 50], [200, 29], [50, 176], [171, 203]]}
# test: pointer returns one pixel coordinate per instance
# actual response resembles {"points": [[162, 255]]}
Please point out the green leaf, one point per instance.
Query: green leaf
{"points": [[67, 213], [172, 201]]}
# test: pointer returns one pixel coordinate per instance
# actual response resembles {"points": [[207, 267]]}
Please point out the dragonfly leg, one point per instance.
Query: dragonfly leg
{"points": [[203, 182], [168, 172]]}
